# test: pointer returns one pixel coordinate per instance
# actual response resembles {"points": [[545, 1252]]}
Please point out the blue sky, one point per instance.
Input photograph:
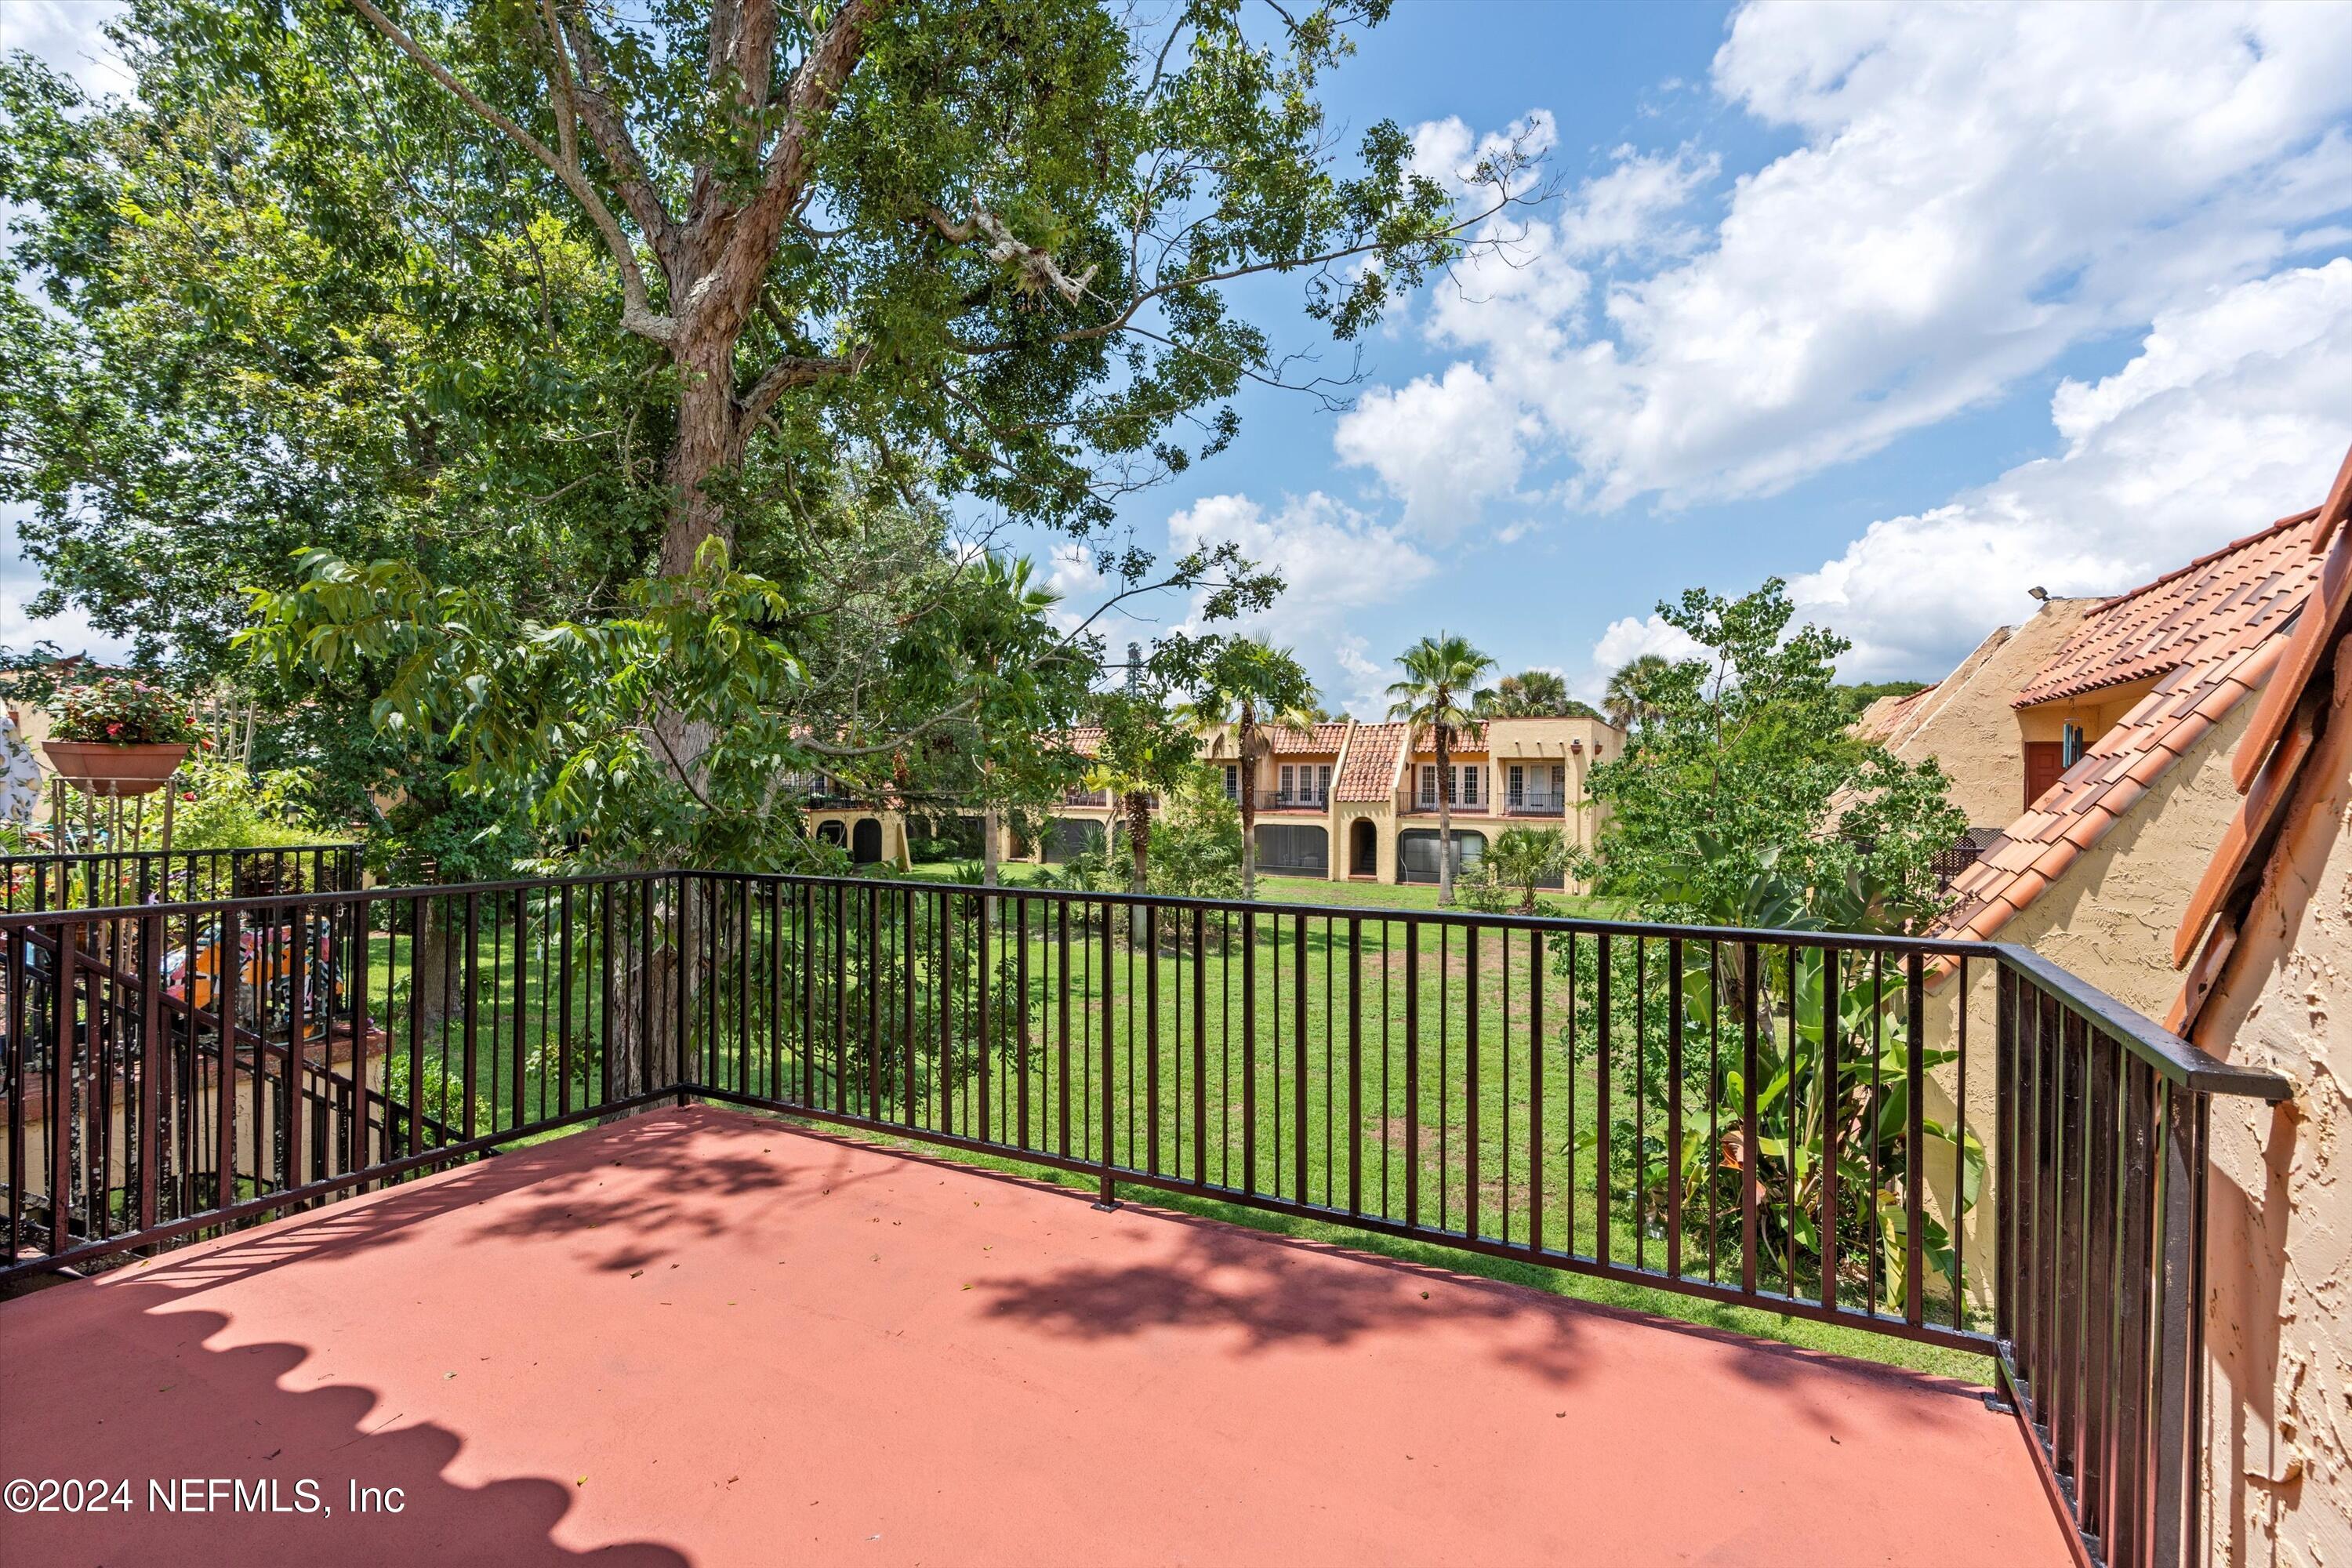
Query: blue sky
{"points": [[1917, 308]]}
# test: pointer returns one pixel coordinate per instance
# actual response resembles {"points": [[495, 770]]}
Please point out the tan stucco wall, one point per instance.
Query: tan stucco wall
{"points": [[1967, 725], [2279, 1233], [2108, 919], [894, 830]]}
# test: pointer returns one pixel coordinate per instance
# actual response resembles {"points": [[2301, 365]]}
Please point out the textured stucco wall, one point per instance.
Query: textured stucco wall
{"points": [[1969, 726], [2279, 1235], [2108, 919]]}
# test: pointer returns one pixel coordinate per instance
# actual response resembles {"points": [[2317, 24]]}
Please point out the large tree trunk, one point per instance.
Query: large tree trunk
{"points": [[1445, 818], [991, 827]]}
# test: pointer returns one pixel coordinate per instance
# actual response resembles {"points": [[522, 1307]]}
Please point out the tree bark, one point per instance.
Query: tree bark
{"points": [[1138, 806], [992, 826]]}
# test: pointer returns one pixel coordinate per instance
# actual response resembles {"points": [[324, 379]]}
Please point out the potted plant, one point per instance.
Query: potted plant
{"points": [[119, 735]]}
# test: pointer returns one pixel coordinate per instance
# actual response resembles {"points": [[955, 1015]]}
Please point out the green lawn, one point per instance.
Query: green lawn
{"points": [[1276, 888]]}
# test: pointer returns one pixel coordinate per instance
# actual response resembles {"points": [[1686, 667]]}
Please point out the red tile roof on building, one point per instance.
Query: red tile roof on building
{"points": [[1086, 740], [2269, 764], [1368, 772], [2213, 631], [2216, 604], [1319, 738], [1470, 737]]}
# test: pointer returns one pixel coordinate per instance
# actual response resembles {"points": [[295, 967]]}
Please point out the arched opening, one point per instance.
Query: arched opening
{"points": [[830, 832], [1364, 848], [865, 842], [1417, 853]]}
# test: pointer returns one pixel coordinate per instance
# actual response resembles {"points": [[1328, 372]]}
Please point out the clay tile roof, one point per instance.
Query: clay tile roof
{"points": [[2218, 604], [1369, 770], [1319, 737], [2269, 760], [1086, 740], [1470, 737], [2214, 630]]}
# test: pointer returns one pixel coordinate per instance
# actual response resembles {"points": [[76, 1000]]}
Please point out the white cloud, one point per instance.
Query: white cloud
{"points": [[1627, 639], [2234, 412], [20, 580], [1975, 191], [1443, 447], [64, 34], [1368, 695], [1333, 558]]}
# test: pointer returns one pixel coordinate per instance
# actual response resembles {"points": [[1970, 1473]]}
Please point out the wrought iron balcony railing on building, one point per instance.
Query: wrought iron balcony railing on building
{"points": [[1761, 1117]]}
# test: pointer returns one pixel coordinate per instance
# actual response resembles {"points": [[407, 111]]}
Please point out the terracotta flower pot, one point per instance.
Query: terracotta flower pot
{"points": [[114, 770]]}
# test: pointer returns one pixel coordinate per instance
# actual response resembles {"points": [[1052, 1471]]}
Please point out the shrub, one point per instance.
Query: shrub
{"points": [[222, 806]]}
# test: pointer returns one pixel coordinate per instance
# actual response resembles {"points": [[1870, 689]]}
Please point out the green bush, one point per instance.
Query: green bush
{"points": [[221, 805]]}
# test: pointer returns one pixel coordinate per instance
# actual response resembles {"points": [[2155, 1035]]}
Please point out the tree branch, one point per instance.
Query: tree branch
{"points": [[637, 314], [1035, 271], [610, 132], [796, 370], [734, 279]]}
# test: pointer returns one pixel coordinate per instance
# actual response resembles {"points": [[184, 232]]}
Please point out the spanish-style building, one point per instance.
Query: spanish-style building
{"points": [[1340, 801]]}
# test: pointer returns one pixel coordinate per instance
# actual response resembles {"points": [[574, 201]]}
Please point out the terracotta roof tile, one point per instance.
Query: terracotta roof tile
{"points": [[1323, 739], [2211, 632], [1086, 740], [2218, 604], [1369, 770]]}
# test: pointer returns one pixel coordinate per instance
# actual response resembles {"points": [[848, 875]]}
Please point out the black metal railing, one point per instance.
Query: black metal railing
{"points": [[105, 878], [1947, 1143]]}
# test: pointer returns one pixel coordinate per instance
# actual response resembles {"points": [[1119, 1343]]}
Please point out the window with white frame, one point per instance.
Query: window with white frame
{"points": [[1289, 781], [1322, 782], [1232, 782]]}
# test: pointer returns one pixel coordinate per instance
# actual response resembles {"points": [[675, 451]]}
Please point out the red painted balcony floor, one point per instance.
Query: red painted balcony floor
{"points": [[701, 1337]]}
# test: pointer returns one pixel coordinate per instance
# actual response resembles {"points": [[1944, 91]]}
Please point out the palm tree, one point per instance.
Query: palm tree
{"points": [[1440, 693], [1258, 688], [1014, 602], [1531, 694], [1631, 700], [1144, 754]]}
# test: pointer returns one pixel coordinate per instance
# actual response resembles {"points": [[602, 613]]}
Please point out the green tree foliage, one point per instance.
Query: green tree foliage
{"points": [[539, 301], [1741, 791], [1440, 693]]}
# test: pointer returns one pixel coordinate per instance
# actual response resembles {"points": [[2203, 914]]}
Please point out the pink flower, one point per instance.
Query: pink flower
{"points": [[114, 728]]}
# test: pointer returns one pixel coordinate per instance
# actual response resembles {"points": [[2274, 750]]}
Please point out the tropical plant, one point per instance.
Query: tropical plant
{"points": [[124, 711], [1815, 1074], [1524, 859], [1259, 689], [1439, 693], [1147, 750], [1631, 699]]}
